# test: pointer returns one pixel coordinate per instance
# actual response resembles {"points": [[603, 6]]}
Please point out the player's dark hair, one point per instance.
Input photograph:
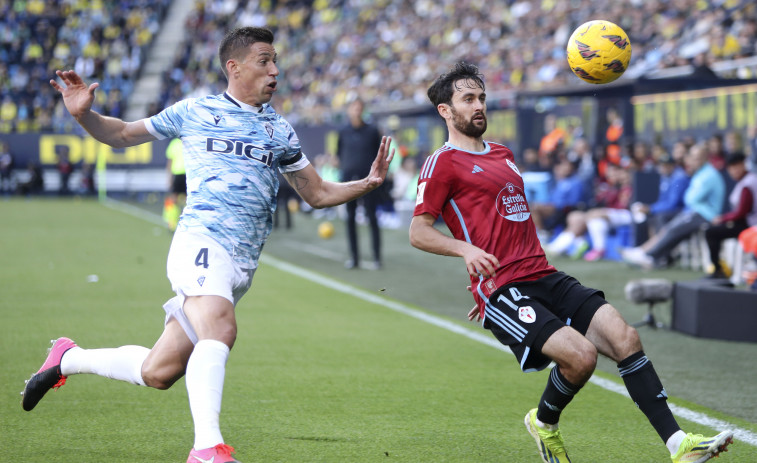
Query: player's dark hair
{"points": [[237, 43], [444, 87]]}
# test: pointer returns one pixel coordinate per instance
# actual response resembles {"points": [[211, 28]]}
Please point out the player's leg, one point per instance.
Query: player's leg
{"points": [[158, 367], [576, 359], [352, 239], [213, 319], [371, 203], [208, 281], [167, 361], [536, 336], [615, 339]]}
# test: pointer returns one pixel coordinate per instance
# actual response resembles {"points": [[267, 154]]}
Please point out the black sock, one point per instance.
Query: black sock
{"points": [[646, 391], [557, 395]]}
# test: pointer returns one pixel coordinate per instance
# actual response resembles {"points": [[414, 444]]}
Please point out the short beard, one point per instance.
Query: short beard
{"points": [[467, 128]]}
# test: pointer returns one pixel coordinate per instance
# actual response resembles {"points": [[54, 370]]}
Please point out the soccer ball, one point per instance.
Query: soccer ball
{"points": [[325, 230], [598, 52]]}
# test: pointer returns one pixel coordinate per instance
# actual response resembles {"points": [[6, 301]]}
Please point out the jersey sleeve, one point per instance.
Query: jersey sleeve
{"points": [[167, 123], [434, 187], [294, 159]]}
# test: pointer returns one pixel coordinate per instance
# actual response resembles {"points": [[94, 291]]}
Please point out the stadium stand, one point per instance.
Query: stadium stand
{"points": [[386, 50], [103, 40]]}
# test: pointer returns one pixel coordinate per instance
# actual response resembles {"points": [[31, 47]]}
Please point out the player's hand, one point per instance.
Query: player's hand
{"points": [[380, 165], [473, 313], [77, 96], [479, 262]]}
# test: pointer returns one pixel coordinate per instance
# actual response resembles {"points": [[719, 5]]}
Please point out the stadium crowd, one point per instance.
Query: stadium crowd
{"points": [[384, 50], [103, 40], [388, 50]]}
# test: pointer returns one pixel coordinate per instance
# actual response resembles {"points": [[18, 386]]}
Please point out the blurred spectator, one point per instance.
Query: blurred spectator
{"points": [[742, 215], [405, 181], [65, 169], [34, 183], [609, 212], [642, 157], [748, 242], [581, 154], [566, 195], [356, 147], [87, 185], [537, 176], [613, 140], [7, 163], [703, 201], [673, 184], [716, 152], [553, 140]]}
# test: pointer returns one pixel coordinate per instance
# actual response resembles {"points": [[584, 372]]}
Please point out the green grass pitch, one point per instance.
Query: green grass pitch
{"points": [[316, 375]]}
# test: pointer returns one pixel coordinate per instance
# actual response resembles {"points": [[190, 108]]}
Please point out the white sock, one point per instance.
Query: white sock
{"points": [[123, 363], [561, 244], [674, 442], [598, 230], [548, 427], [205, 374]]}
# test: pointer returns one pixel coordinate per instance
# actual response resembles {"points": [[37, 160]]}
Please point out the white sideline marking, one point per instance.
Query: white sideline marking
{"points": [[682, 412], [133, 211], [315, 250]]}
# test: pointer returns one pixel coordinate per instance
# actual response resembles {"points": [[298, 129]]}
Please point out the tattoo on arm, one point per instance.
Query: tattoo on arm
{"points": [[299, 182]]}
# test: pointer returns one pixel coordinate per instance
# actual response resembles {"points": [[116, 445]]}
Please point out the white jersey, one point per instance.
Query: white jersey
{"points": [[231, 151]]}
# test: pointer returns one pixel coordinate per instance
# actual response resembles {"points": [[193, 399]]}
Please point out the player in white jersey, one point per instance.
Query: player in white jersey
{"points": [[233, 143]]}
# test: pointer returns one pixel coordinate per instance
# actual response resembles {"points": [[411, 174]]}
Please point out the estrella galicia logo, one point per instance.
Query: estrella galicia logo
{"points": [[511, 204], [239, 148]]}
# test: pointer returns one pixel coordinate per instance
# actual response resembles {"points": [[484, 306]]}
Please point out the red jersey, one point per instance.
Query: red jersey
{"points": [[481, 199]]}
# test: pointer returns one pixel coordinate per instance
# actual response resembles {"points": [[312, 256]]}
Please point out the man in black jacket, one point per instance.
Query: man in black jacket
{"points": [[356, 150]]}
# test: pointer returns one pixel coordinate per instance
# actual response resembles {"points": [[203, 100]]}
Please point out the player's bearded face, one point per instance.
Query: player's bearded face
{"points": [[473, 126]]}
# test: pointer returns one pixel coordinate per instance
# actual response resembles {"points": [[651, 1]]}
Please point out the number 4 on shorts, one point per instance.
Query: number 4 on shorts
{"points": [[202, 258]]}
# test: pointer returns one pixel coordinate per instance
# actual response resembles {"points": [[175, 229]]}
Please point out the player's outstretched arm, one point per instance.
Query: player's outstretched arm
{"points": [[78, 98], [319, 193], [425, 237]]}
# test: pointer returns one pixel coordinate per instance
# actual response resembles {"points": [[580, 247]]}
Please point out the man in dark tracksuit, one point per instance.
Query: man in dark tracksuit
{"points": [[356, 150]]}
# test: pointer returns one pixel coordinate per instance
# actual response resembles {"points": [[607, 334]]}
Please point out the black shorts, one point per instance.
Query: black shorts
{"points": [[179, 184], [523, 315]]}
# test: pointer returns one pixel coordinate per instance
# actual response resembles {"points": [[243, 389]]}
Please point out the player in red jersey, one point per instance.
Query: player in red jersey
{"points": [[543, 315]]}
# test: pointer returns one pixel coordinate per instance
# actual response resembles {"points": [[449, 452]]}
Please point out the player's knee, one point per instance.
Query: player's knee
{"points": [[628, 342], [158, 378], [585, 360]]}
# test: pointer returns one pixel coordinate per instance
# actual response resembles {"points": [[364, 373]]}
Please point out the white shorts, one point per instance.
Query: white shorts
{"points": [[199, 266]]}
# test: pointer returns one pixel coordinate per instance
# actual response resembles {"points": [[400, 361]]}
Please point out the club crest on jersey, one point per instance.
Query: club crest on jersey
{"points": [[511, 203], [269, 129], [526, 314], [513, 166]]}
